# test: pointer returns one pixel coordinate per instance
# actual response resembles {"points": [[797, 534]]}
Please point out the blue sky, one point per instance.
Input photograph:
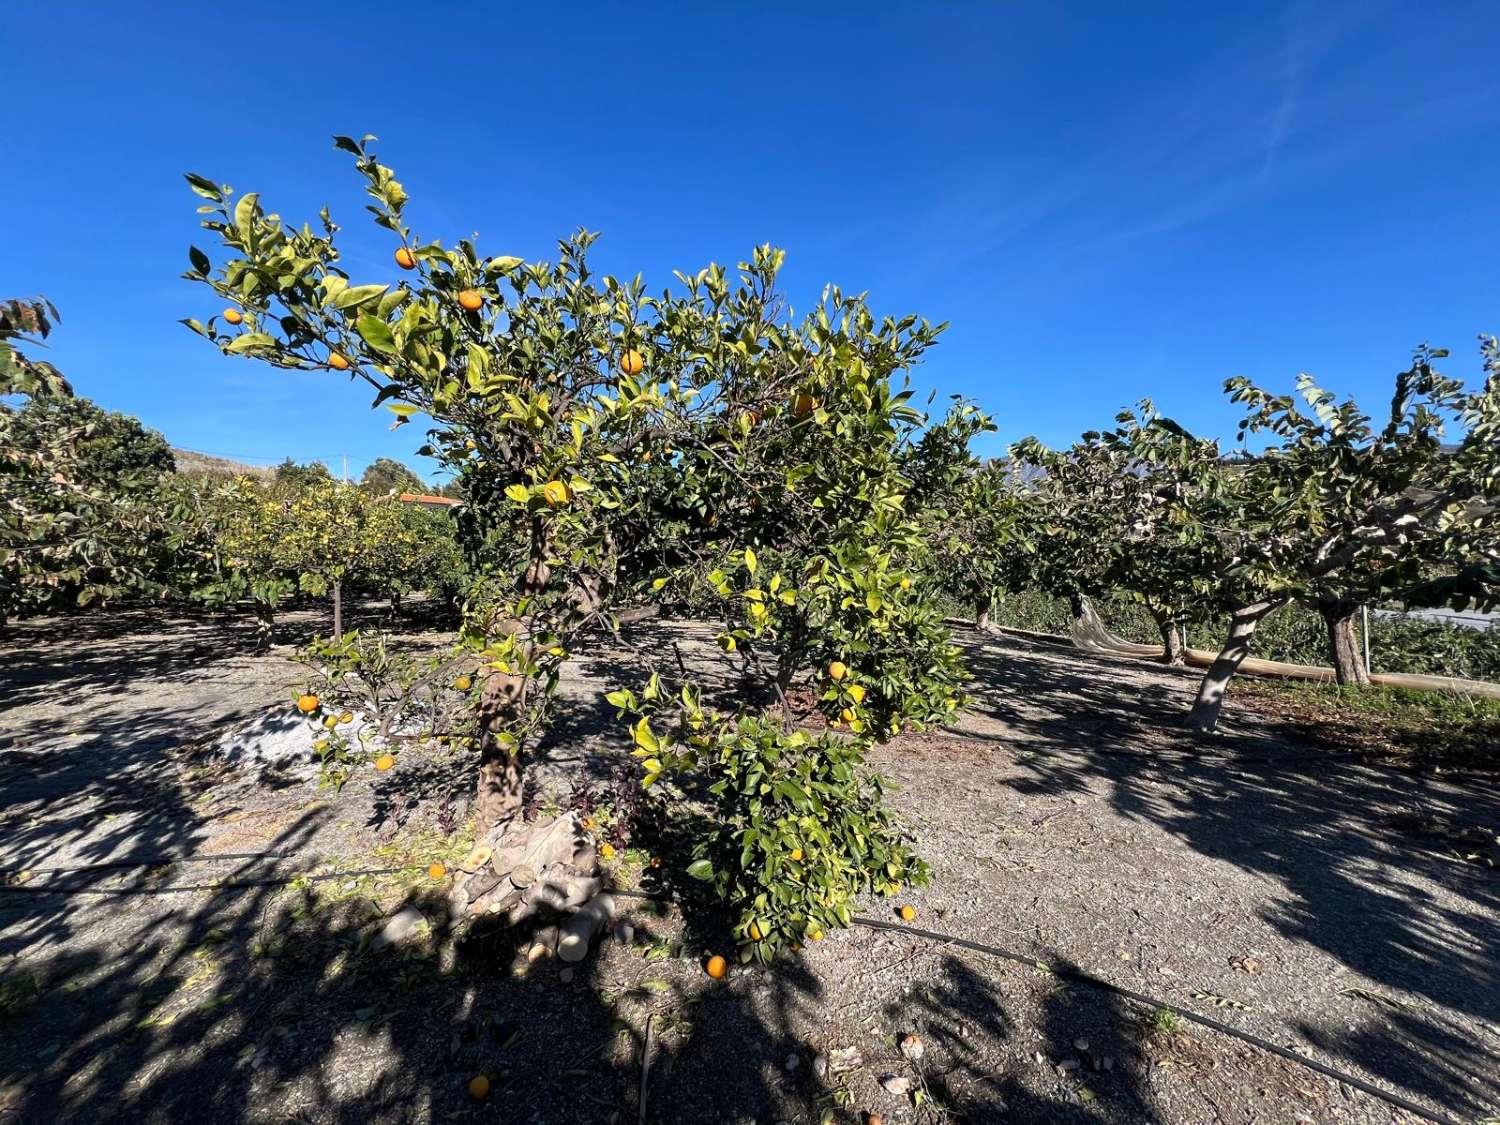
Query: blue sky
{"points": [[1107, 201]]}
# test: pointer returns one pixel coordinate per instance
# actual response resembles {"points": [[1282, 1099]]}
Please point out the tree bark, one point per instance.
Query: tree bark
{"points": [[1343, 642], [1171, 642], [1204, 716], [982, 618], [265, 622], [338, 611], [502, 707]]}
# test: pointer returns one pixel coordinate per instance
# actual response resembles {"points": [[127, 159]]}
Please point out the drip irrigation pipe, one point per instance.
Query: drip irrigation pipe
{"points": [[153, 861], [1062, 972]]}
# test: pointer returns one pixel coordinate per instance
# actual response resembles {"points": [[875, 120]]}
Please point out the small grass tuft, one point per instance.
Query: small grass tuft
{"points": [[1165, 1021]]}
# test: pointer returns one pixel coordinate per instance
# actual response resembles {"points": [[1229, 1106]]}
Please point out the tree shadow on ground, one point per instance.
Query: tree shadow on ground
{"points": [[269, 1004], [1083, 1048], [1316, 825]]}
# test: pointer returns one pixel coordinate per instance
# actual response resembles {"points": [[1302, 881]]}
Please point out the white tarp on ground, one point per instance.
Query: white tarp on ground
{"points": [[280, 741]]}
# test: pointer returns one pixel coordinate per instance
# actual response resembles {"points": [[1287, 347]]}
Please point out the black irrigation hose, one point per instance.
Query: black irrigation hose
{"points": [[1064, 973], [154, 861]]}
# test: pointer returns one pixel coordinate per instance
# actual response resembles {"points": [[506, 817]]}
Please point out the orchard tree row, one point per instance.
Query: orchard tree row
{"points": [[1336, 511], [93, 511], [703, 444]]}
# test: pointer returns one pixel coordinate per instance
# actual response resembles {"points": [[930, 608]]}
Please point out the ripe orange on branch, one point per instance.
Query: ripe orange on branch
{"points": [[632, 362], [837, 670], [337, 362], [471, 299], [307, 704], [479, 1087], [234, 316], [555, 492], [406, 259], [716, 967]]}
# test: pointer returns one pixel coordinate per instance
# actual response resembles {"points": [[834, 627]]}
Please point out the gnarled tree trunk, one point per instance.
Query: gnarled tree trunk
{"points": [[1343, 642], [982, 617], [265, 622], [1242, 625]]}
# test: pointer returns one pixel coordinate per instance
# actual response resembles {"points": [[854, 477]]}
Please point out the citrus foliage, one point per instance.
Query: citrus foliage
{"points": [[275, 538], [365, 693]]}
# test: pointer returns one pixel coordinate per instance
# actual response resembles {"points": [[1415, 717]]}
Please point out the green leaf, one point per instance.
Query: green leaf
{"points": [[249, 342], [518, 492], [244, 213], [358, 295], [376, 333], [402, 409], [199, 259], [701, 869], [205, 187], [750, 561]]}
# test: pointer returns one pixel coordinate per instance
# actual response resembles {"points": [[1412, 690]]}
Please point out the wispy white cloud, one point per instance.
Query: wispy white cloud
{"points": [[1300, 98]]}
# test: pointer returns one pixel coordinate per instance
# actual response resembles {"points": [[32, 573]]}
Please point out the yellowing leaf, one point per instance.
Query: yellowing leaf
{"points": [[644, 737]]}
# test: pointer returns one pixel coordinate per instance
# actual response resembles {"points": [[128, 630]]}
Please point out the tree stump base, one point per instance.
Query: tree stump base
{"points": [[546, 872]]}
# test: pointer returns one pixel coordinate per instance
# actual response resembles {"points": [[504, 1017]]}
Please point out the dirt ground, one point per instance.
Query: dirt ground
{"points": [[1276, 888]]}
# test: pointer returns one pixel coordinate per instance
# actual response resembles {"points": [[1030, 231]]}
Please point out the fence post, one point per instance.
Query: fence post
{"points": [[1367, 638]]}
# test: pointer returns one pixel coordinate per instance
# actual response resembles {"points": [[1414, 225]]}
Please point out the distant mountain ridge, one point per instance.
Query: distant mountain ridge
{"points": [[206, 464]]}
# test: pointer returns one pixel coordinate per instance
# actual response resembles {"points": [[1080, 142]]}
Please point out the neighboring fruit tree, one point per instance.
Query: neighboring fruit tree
{"points": [[83, 516], [1336, 513], [697, 443], [318, 535]]}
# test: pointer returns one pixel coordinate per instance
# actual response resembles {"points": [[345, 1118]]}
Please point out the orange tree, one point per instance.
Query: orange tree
{"points": [[785, 512], [315, 535], [611, 441], [407, 548]]}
